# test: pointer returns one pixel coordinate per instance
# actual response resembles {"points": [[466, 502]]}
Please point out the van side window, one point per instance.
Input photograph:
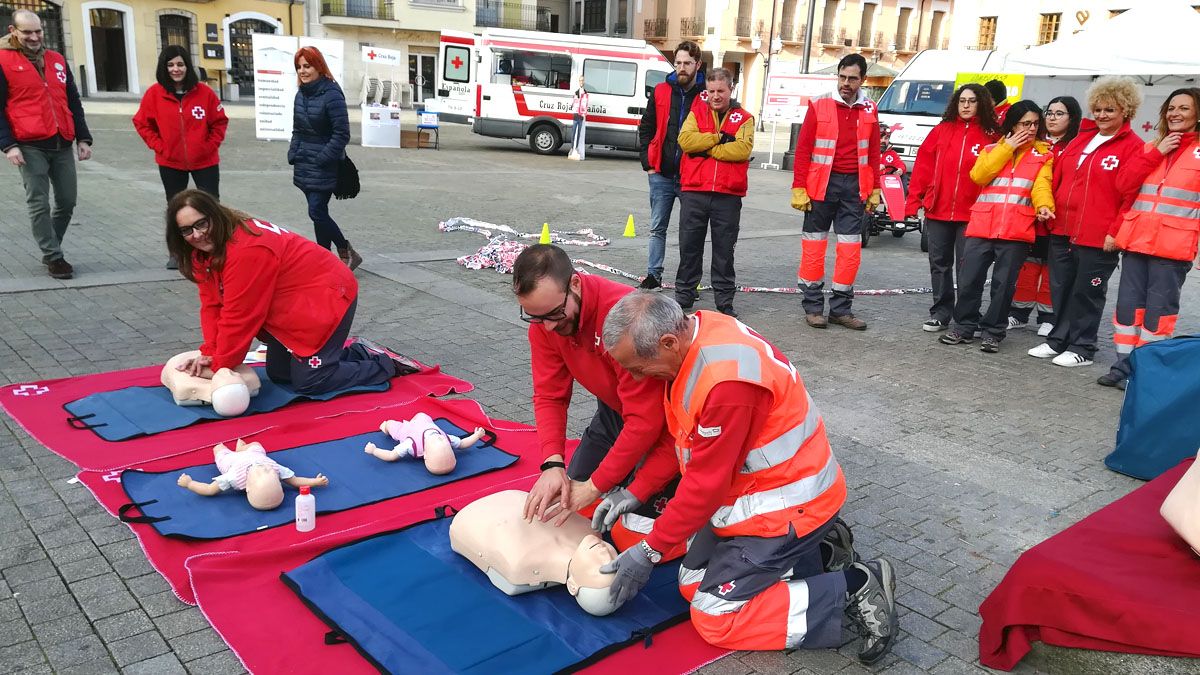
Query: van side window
{"points": [[532, 69], [610, 77], [456, 67], [653, 79]]}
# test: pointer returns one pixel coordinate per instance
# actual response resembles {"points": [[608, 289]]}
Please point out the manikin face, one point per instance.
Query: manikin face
{"points": [[195, 228], [176, 69], [1057, 119], [662, 366], [685, 69], [584, 572], [850, 80], [1109, 117], [968, 105], [555, 309], [28, 30], [305, 71], [718, 95], [1181, 114]]}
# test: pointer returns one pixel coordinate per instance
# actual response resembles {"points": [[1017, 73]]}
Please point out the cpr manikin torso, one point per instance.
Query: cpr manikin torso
{"points": [[520, 556], [228, 391]]}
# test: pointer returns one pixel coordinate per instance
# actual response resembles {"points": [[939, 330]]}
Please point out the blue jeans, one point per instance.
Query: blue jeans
{"points": [[326, 230], [663, 193]]}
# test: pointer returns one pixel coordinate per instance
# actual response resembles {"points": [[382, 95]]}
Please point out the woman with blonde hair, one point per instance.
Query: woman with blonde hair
{"points": [[1159, 233], [1089, 206]]}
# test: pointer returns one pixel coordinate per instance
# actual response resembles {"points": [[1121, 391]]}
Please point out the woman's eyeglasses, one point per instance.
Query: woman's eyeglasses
{"points": [[200, 226], [1055, 114]]}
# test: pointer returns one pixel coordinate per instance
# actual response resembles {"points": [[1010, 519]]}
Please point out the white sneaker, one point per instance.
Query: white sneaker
{"points": [[1045, 329], [1042, 351], [1015, 323], [1071, 360]]}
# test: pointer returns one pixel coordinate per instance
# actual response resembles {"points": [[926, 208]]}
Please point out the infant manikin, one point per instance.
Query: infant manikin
{"points": [[248, 468], [422, 439], [519, 556], [229, 391]]}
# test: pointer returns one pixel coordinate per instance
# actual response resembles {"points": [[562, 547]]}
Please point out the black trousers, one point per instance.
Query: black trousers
{"points": [[332, 368], [1079, 309], [1060, 265], [1147, 304], [697, 211], [840, 211], [175, 181], [946, 242], [1005, 259]]}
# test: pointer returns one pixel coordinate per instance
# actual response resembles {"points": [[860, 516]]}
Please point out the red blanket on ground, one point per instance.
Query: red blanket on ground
{"points": [[1119, 580], [284, 636], [168, 554], [38, 408]]}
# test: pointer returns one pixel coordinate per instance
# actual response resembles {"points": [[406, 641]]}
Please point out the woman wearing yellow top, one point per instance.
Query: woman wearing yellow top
{"points": [[1017, 189]]}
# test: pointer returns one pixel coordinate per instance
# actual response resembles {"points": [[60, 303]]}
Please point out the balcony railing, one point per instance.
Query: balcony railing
{"points": [[691, 26], [494, 14], [359, 9], [785, 30], [742, 26], [436, 3], [655, 28]]}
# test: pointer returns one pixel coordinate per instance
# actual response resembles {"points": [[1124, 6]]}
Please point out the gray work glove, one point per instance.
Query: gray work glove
{"points": [[633, 570], [616, 503]]}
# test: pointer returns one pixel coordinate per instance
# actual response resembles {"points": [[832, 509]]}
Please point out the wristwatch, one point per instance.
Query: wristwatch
{"points": [[552, 464], [652, 555]]}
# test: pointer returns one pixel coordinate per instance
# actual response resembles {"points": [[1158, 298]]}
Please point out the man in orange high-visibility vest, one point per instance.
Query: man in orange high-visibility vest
{"points": [[836, 171], [769, 565]]}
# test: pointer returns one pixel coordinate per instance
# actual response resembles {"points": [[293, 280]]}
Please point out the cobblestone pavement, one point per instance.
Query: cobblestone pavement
{"points": [[957, 461]]}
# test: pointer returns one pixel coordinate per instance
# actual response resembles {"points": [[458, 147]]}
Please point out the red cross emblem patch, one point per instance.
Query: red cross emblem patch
{"points": [[975, 149], [198, 112], [1096, 281], [704, 96], [62, 76], [30, 390], [868, 106], [1109, 163], [735, 117], [314, 362], [1196, 153], [725, 588], [660, 504]]}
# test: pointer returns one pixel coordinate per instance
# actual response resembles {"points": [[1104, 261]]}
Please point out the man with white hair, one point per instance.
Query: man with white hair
{"points": [[42, 118], [769, 564]]}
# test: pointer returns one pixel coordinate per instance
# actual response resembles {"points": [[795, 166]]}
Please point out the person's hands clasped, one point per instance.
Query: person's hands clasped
{"points": [[15, 156], [195, 366], [551, 492], [617, 502], [1019, 136], [1044, 214], [633, 570], [1170, 142]]}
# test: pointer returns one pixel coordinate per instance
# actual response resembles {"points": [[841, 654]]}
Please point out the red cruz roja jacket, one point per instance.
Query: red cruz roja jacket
{"points": [[1087, 201], [941, 176], [184, 134]]}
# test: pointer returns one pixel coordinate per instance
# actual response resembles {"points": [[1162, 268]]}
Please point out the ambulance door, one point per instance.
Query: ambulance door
{"points": [[615, 96], [457, 76]]}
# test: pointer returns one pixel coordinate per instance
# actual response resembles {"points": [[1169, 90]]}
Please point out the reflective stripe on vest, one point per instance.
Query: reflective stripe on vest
{"points": [[1166, 209], [784, 447], [749, 366], [715, 605], [768, 501], [996, 198]]}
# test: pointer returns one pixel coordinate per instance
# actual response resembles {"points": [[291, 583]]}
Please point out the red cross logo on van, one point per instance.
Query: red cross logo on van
{"points": [[1109, 163], [457, 62]]}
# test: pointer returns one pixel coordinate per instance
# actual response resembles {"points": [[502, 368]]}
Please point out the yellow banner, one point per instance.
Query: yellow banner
{"points": [[1014, 81]]}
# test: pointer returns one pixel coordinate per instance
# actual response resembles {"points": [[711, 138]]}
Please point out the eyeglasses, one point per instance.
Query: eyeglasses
{"points": [[1055, 114], [557, 314], [968, 101], [1027, 123], [200, 226]]}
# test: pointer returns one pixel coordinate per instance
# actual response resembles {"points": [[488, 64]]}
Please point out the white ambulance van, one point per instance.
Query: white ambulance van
{"points": [[519, 84]]}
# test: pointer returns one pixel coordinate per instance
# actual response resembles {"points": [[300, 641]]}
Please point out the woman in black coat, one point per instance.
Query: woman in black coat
{"points": [[320, 132]]}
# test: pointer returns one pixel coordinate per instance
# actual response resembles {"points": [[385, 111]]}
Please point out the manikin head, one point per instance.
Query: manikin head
{"points": [[264, 491], [230, 395], [439, 456], [586, 582]]}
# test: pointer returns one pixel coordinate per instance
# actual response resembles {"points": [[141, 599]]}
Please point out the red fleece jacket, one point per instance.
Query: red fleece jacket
{"points": [[184, 134], [559, 362], [1089, 205], [941, 176], [273, 281]]}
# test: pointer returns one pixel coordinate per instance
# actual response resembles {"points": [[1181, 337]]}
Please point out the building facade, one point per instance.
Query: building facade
{"points": [[737, 34], [1006, 25]]}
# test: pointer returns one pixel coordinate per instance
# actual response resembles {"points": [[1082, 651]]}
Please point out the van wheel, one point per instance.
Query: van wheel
{"points": [[544, 139]]}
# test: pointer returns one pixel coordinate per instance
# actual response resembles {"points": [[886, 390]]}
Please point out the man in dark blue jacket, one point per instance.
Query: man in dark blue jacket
{"points": [[666, 108]]}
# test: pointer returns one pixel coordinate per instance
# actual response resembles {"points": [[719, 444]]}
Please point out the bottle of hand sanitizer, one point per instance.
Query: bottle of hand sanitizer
{"points": [[306, 510]]}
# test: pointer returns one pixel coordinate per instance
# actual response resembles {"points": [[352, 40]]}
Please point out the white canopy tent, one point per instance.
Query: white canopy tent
{"points": [[1153, 39]]}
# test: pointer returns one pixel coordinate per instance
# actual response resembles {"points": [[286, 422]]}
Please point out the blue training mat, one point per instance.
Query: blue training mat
{"points": [[355, 479], [1158, 426], [144, 411], [408, 603]]}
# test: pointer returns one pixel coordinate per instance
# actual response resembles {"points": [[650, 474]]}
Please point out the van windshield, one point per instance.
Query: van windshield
{"points": [[916, 97]]}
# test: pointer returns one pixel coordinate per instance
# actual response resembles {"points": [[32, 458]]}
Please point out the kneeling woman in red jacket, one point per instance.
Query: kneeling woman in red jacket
{"points": [[260, 280], [1016, 177]]}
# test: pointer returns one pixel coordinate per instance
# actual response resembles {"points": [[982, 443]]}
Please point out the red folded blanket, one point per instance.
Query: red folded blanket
{"points": [[1119, 580]]}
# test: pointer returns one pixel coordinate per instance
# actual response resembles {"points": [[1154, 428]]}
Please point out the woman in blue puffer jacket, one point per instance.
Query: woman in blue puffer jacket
{"points": [[320, 132]]}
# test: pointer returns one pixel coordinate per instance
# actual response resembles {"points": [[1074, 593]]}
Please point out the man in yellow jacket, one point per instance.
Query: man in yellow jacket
{"points": [[716, 138]]}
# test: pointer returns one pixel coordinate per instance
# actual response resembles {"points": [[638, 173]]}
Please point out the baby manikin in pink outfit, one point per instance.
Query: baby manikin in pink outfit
{"points": [[420, 438]]}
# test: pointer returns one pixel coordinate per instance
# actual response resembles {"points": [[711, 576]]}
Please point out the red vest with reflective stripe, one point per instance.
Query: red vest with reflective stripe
{"points": [[1004, 207], [825, 145], [705, 174], [662, 117], [790, 477], [37, 109], [1164, 220]]}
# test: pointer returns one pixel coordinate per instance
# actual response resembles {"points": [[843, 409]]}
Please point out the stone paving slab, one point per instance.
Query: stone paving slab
{"points": [[957, 461]]}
